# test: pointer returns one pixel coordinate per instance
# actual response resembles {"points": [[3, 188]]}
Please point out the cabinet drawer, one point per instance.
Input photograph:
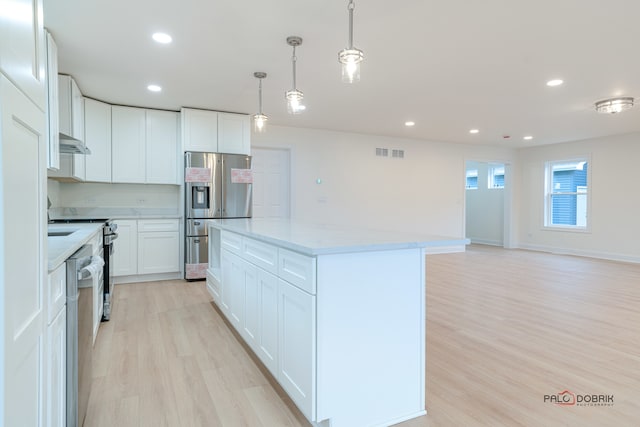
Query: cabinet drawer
{"points": [[231, 242], [297, 269], [148, 225], [261, 254], [56, 292]]}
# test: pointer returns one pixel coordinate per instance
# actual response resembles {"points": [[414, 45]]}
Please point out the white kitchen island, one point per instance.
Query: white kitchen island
{"points": [[337, 315]]}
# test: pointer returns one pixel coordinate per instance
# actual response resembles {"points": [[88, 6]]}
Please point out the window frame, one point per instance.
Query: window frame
{"points": [[548, 193], [491, 175], [467, 176]]}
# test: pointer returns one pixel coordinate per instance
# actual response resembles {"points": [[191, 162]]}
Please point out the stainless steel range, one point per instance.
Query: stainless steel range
{"points": [[109, 235]]}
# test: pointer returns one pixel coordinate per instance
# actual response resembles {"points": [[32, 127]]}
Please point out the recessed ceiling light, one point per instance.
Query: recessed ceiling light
{"points": [[528, 137], [409, 124], [555, 82], [163, 38], [154, 88], [474, 131]]}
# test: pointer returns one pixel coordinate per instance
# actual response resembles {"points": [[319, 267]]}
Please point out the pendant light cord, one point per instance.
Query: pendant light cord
{"points": [[293, 61], [260, 97], [350, 7]]}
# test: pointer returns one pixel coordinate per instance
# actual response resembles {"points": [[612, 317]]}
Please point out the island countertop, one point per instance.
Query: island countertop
{"points": [[321, 239]]}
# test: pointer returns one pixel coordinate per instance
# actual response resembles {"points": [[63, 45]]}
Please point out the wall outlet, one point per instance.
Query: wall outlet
{"points": [[141, 201]]}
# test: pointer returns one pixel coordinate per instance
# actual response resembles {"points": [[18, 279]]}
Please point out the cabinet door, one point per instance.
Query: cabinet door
{"points": [[158, 252], [128, 151], [199, 130], [125, 247], [57, 370], [22, 43], [297, 325], [22, 281], [251, 304], [234, 133], [233, 288], [97, 131], [162, 147], [267, 340], [56, 291], [53, 140]]}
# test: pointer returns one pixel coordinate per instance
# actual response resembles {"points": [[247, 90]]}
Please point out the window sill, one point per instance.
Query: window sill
{"points": [[585, 230]]}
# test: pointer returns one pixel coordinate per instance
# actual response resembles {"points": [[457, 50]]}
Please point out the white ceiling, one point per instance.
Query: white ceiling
{"points": [[448, 65]]}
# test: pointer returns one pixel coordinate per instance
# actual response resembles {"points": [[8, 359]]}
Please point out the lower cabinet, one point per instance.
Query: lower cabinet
{"points": [[296, 327], [149, 246], [276, 319], [57, 371], [56, 348]]}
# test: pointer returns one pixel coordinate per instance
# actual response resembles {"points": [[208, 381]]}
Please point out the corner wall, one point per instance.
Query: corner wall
{"points": [[614, 194]]}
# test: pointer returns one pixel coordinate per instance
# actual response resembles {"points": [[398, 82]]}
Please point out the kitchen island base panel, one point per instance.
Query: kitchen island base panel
{"points": [[370, 337]]}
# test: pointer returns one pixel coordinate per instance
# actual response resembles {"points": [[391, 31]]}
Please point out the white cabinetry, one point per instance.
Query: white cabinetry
{"points": [[125, 257], [71, 124], [144, 145], [97, 131], [162, 147], [297, 337], [53, 120], [98, 286], [158, 246], [22, 221], [275, 317], [56, 348], [128, 134], [148, 246], [212, 131], [22, 43]]}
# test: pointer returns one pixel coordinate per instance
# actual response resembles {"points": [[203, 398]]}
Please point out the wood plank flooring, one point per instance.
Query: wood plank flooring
{"points": [[504, 329]]}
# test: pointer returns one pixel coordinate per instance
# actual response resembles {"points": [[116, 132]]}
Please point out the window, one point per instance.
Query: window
{"points": [[567, 194], [496, 176], [472, 179]]}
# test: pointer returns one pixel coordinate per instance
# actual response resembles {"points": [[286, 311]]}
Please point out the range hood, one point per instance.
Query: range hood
{"points": [[69, 145]]}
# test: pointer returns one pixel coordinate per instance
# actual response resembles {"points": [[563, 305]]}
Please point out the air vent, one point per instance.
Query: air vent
{"points": [[382, 152], [398, 154]]}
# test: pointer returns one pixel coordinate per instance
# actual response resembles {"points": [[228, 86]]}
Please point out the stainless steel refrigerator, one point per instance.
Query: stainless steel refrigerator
{"points": [[216, 186]]}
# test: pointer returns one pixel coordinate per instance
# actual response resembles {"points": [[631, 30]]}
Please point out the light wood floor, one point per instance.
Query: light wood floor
{"points": [[504, 328]]}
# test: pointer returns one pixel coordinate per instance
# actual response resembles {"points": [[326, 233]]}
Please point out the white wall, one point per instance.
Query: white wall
{"points": [[423, 192], [615, 200], [484, 209], [90, 195]]}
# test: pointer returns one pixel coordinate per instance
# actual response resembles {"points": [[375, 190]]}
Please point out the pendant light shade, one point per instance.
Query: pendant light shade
{"points": [[294, 96], [260, 119], [351, 57]]}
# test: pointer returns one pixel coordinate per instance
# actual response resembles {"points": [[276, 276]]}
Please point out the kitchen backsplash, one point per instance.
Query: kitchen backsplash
{"points": [[131, 196]]}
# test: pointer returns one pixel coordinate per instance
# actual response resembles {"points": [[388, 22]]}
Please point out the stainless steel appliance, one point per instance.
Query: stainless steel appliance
{"points": [[79, 336], [216, 186], [109, 235]]}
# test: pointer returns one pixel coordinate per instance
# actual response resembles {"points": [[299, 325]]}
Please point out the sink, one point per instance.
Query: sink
{"points": [[59, 233]]}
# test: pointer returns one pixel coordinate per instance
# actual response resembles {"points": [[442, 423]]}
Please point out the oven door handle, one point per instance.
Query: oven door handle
{"points": [[109, 238]]}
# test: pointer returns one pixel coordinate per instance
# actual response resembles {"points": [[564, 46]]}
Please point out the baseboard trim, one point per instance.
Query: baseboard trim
{"points": [[486, 242], [609, 256], [147, 277], [444, 249]]}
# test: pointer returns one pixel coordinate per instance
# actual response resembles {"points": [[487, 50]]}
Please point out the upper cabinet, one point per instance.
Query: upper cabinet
{"points": [[97, 137], [22, 43], [234, 133], [70, 124], [144, 146], [71, 108], [53, 121], [212, 131]]}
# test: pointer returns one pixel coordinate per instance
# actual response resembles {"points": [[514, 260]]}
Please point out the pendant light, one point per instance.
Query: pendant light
{"points": [[294, 96], [351, 57], [259, 120]]}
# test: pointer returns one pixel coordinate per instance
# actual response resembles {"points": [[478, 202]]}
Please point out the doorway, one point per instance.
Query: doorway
{"points": [[271, 182], [486, 208]]}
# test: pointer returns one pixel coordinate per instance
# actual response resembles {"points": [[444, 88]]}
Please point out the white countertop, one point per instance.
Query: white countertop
{"points": [[62, 247], [321, 239]]}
